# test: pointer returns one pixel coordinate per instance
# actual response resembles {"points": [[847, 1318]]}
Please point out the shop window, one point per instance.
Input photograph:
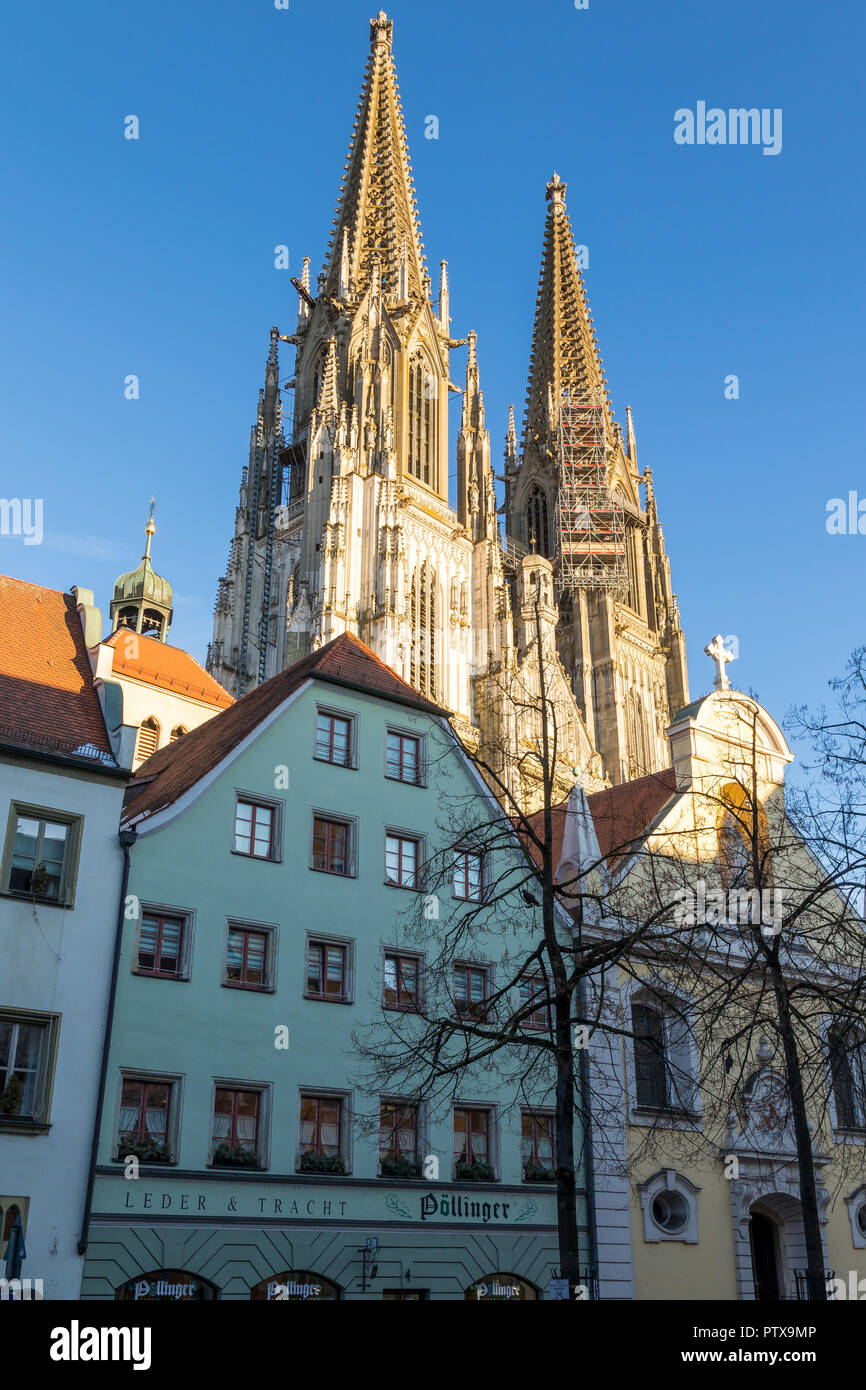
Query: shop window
{"points": [[295, 1286], [166, 1286], [501, 1288]]}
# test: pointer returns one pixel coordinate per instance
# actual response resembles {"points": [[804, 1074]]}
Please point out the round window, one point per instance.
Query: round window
{"points": [[861, 1218], [670, 1211]]}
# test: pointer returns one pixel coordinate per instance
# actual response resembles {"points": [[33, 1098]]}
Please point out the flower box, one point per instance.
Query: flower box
{"points": [[147, 1150], [536, 1172], [322, 1163], [398, 1166], [474, 1172], [224, 1156]]}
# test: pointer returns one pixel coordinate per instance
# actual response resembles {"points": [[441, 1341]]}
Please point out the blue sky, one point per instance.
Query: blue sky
{"points": [[155, 257]]}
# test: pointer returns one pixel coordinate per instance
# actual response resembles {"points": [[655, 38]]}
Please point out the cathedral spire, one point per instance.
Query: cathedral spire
{"points": [[564, 350], [511, 440], [377, 214]]}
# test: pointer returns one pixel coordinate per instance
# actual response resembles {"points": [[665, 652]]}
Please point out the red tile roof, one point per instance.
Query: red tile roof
{"points": [[156, 663], [622, 815], [47, 699], [173, 770]]}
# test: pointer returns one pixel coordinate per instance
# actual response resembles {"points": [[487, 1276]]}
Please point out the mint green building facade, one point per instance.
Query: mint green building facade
{"points": [[219, 1040]]}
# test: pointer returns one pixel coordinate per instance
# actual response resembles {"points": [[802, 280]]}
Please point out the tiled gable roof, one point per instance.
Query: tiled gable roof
{"points": [[173, 770], [622, 815], [47, 699], [157, 663]]}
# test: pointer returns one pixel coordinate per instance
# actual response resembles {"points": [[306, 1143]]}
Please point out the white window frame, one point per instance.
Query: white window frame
{"points": [[71, 857], [667, 1119], [669, 1180], [38, 1121], [841, 1134], [856, 1204]]}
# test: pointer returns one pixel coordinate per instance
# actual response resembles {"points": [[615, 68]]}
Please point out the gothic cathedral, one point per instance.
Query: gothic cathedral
{"points": [[344, 523]]}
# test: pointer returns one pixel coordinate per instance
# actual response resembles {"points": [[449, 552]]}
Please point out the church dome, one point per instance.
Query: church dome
{"points": [[142, 598], [143, 583]]}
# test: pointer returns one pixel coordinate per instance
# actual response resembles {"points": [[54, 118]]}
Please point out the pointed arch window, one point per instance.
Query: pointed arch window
{"points": [[423, 617], [634, 552], [638, 738], [177, 732], [423, 401], [538, 522], [147, 741]]}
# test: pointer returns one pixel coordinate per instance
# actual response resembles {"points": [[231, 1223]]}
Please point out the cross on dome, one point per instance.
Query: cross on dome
{"points": [[721, 656]]}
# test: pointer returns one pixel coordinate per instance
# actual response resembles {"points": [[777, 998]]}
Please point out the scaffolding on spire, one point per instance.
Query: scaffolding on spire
{"points": [[590, 521]]}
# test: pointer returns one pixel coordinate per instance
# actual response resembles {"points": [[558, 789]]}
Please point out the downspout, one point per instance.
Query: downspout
{"points": [[127, 840], [586, 1116]]}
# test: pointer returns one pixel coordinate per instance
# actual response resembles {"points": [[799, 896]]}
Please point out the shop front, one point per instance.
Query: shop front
{"points": [[316, 1240]]}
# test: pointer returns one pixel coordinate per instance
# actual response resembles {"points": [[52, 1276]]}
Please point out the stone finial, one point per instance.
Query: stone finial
{"points": [[556, 190], [381, 30]]}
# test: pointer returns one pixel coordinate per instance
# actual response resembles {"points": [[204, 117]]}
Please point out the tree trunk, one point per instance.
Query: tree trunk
{"points": [[805, 1161]]}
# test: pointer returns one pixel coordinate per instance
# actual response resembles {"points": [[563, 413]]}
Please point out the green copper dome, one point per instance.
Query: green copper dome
{"points": [[143, 583], [142, 598]]}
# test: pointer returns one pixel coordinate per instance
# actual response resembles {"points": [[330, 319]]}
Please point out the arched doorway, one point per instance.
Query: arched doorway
{"points": [[764, 1245], [501, 1288], [166, 1286]]}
